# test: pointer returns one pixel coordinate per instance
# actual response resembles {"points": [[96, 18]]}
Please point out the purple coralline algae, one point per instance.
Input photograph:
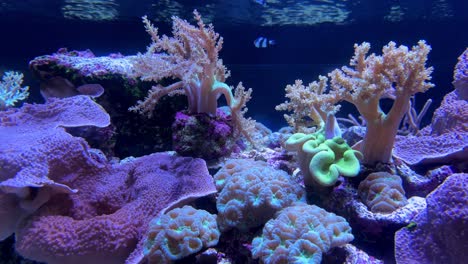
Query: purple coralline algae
{"points": [[204, 136], [438, 233], [85, 63]]}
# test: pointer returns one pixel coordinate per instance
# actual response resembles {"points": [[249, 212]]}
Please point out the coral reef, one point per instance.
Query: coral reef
{"points": [[179, 233], [85, 180]]}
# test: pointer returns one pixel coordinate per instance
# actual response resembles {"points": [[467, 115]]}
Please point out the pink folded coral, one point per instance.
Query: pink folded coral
{"points": [[66, 203]]}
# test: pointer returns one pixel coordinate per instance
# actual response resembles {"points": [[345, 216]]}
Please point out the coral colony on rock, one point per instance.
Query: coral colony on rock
{"points": [[151, 158]]}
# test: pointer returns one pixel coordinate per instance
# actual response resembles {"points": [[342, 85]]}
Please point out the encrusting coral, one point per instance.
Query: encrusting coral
{"points": [[439, 231], [179, 233], [397, 74], [301, 234], [382, 192]]}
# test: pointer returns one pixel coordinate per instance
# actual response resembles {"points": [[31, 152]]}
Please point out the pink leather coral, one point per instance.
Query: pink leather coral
{"points": [[66, 203], [36, 152], [105, 221]]}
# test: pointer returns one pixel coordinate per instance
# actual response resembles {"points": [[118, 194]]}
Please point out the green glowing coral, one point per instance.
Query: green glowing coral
{"points": [[323, 160], [301, 233], [179, 233]]}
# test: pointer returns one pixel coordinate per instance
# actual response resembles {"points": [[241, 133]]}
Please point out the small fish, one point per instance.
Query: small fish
{"points": [[262, 42]]}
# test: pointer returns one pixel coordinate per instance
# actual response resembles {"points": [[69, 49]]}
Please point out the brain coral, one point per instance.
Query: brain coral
{"points": [[382, 192], [250, 192], [179, 233], [300, 234]]}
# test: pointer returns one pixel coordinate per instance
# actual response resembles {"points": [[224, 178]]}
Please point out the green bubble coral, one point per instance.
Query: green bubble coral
{"points": [[179, 233]]}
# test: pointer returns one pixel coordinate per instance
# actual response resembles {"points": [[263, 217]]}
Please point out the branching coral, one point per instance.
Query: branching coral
{"points": [[191, 58], [397, 74], [11, 90], [307, 105]]}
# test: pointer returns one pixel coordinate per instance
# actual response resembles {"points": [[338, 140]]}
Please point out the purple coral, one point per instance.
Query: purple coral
{"points": [[438, 234], [64, 188], [460, 76], [204, 136]]}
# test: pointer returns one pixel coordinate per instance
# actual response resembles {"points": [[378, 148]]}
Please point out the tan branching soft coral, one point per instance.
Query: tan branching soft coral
{"points": [[307, 105], [382, 192], [397, 74], [190, 58]]}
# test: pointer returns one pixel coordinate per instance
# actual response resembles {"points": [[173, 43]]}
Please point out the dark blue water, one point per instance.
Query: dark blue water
{"points": [[304, 49]]}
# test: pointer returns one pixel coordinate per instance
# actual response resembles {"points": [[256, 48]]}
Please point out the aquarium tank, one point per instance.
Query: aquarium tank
{"points": [[246, 131]]}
